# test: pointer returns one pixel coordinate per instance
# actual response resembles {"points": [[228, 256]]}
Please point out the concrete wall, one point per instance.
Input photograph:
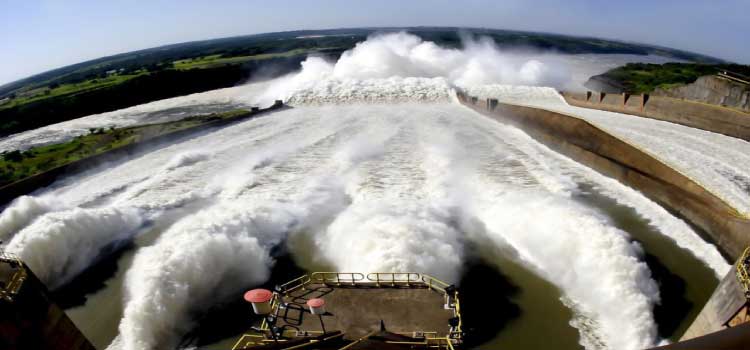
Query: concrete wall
{"points": [[719, 89], [617, 159], [724, 302], [714, 118]]}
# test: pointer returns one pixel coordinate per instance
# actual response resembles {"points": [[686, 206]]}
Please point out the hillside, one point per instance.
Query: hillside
{"points": [[644, 78], [128, 79]]}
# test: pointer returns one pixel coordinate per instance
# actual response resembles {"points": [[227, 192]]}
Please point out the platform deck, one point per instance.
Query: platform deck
{"points": [[357, 311]]}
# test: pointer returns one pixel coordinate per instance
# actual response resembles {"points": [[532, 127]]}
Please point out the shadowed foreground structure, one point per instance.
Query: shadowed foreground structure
{"points": [[28, 317]]}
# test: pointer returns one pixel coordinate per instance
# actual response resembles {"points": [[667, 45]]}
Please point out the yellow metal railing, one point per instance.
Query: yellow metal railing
{"points": [[434, 283], [435, 343], [294, 284], [358, 340], [14, 283], [351, 278], [248, 341], [743, 271], [394, 278]]}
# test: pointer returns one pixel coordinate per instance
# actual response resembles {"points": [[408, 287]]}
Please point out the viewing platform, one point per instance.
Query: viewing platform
{"points": [[333, 310]]}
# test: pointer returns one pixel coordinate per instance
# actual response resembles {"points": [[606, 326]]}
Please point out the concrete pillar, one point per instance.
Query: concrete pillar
{"points": [[625, 97], [491, 104], [727, 299], [644, 99], [588, 96], [474, 100], [601, 96], [461, 96]]}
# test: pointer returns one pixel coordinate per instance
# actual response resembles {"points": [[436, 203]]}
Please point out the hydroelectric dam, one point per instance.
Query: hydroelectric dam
{"points": [[515, 216]]}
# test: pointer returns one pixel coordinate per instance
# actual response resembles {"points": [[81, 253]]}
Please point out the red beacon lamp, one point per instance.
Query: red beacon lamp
{"points": [[318, 307], [261, 300]]}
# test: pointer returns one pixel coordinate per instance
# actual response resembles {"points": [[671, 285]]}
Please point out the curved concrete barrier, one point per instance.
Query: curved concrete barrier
{"points": [[613, 157]]}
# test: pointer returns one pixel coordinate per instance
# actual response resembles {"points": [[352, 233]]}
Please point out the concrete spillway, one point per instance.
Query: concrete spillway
{"points": [[372, 187], [707, 171]]}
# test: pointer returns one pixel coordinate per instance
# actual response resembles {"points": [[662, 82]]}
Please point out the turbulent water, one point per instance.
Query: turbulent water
{"points": [[719, 163], [399, 178]]}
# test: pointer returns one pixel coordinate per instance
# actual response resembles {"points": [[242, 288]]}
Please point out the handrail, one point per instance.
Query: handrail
{"points": [[358, 340], [14, 283], [274, 306], [458, 332], [743, 271], [395, 277], [295, 283], [331, 277], [240, 341], [432, 281], [314, 342]]}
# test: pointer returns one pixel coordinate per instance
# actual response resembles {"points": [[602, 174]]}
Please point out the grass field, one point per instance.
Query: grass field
{"points": [[203, 62], [72, 88], [644, 78], [16, 165], [211, 61]]}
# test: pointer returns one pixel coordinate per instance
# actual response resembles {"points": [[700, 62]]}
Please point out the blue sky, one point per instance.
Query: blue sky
{"points": [[40, 35]]}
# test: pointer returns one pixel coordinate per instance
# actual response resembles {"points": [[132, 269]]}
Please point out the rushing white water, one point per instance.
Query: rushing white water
{"points": [[719, 163], [378, 189], [397, 179], [387, 57], [154, 112]]}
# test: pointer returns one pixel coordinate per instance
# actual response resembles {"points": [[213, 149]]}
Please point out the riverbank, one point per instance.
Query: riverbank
{"points": [[25, 172]]}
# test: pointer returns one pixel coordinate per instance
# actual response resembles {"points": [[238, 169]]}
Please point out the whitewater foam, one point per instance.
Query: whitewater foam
{"points": [[60, 245], [715, 161], [21, 212], [390, 90]]}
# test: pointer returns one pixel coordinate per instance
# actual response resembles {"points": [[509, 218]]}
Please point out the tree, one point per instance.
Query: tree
{"points": [[14, 156]]}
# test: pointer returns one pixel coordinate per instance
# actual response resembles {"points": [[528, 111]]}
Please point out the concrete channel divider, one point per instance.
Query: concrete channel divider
{"points": [[587, 144]]}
